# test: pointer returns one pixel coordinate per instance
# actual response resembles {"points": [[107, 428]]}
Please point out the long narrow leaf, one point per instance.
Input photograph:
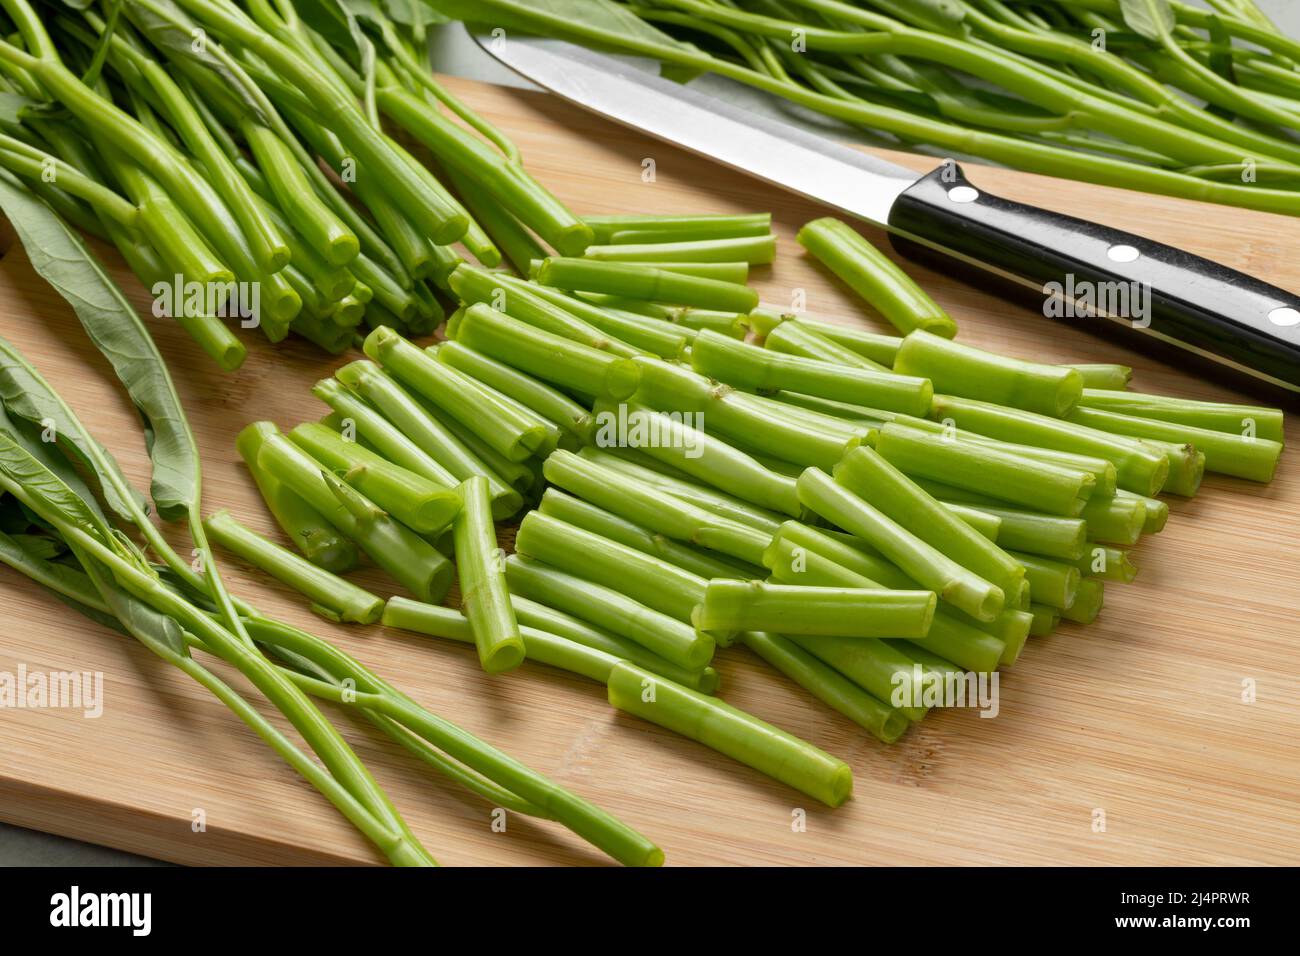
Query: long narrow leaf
{"points": [[63, 507], [155, 630], [23, 468], [1153, 19], [62, 259], [26, 395], [50, 454], [69, 584]]}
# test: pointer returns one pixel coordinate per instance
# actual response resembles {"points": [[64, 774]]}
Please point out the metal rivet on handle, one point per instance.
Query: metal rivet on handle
{"points": [[1284, 316], [1122, 254], [963, 194]]}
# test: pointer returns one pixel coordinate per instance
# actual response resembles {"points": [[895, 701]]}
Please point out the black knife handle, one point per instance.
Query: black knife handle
{"points": [[1198, 305]]}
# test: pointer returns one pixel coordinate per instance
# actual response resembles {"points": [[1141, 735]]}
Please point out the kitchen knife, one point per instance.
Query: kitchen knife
{"points": [[1154, 291]]}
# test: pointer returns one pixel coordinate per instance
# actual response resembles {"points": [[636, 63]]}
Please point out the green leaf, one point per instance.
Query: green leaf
{"points": [[51, 455], [44, 546], [336, 21], [1153, 19], [678, 73], [100, 55], [1220, 49], [412, 13], [173, 32], [914, 101], [14, 105], [604, 15], [941, 16], [53, 499], [155, 630], [96, 586], [26, 395], [70, 585], [13, 519], [1221, 62], [89, 588], [62, 259], [339, 23]]}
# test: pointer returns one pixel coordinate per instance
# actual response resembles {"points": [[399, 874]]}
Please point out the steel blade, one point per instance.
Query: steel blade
{"points": [[779, 153]]}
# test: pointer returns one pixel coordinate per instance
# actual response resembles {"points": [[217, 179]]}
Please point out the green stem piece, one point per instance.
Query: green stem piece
{"points": [[410, 559], [568, 365], [330, 594], [1242, 456], [511, 236], [498, 423], [974, 373], [540, 617], [874, 277], [1139, 467], [959, 586], [1048, 535], [692, 320], [1255, 420], [665, 438], [318, 540], [755, 250], [846, 612], [732, 732], [806, 556], [1108, 563], [828, 685], [417, 502], [316, 222], [1088, 600], [539, 646], [733, 272], [765, 426], [611, 610], [642, 577], [655, 337], [481, 573], [597, 520], [869, 476], [607, 229], [1032, 484], [360, 419], [370, 383], [524, 301], [1053, 583], [1156, 512], [639, 281], [506, 182], [544, 400], [485, 761], [807, 341], [675, 486], [1045, 619], [759, 369], [873, 346], [1104, 376], [631, 497]]}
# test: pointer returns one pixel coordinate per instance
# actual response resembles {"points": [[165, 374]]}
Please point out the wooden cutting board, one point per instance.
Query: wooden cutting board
{"points": [[1139, 718]]}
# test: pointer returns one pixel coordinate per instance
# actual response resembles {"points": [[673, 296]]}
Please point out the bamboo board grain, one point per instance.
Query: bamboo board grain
{"points": [[1139, 716]]}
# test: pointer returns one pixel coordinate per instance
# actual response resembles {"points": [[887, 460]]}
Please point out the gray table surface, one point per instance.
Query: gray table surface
{"points": [[457, 55]]}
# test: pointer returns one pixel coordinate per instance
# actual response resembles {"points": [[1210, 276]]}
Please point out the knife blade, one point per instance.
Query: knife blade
{"points": [[1153, 291]]}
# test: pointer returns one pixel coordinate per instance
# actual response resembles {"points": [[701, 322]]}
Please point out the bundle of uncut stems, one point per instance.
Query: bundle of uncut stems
{"points": [[1156, 95], [875, 515], [255, 167]]}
